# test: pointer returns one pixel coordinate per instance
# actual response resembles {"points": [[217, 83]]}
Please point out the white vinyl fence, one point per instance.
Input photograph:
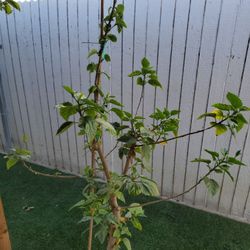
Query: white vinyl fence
{"points": [[200, 49]]}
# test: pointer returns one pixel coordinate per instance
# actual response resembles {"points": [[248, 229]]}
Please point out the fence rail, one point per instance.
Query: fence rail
{"points": [[200, 49]]}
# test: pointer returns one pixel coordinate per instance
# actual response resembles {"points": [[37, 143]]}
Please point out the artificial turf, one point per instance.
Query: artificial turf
{"points": [[49, 225]]}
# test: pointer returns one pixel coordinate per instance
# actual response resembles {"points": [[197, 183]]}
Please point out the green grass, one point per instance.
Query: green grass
{"points": [[50, 226]]}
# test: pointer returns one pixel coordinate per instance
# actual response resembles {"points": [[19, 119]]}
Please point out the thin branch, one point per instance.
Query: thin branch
{"points": [[184, 135], [116, 145], [102, 44], [161, 199], [140, 100], [48, 175], [90, 236]]}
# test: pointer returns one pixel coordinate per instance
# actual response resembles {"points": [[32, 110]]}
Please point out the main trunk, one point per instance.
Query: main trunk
{"points": [[117, 213]]}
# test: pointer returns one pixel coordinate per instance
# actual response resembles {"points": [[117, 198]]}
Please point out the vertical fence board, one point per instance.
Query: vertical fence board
{"points": [[204, 70], [193, 45], [164, 51]]}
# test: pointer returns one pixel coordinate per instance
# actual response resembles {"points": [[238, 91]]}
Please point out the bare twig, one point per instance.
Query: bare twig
{"points": [[116, 145], [48, 175], [140, 100]]}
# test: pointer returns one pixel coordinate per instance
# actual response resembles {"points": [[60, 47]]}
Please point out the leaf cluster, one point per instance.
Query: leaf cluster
{"points": [[220, 163], [15, 156], [146, 75], [231, 113], [9, 5]]}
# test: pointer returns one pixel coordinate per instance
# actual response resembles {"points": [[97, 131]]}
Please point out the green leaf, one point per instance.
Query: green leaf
{"points": [[145, 62], [234, 100], [220, 129], [69, 89], [136, 210], [117, 233], [67, 111], [212, 185], [244, 108], [14, 4], [106, 74], [201, 160], [107, 58], [218, 114], [214, 154], [90, 130], [238, 153], [91, 67], [113, 101], [112, 37], [128, 139], [64, 127], [122, 151], [92, 52], [135, 73], [92, 89], [146, 156], [174, 112], [11, 162], [136, 223], [118, 112], [106, 125], [120, 196], [222, 106], [7, 8], [206, 115], [120, 8], [155, 83], [126, 243], [233, 160], [102, 233], [22, 151], [241, 118], [151, 187], [140, 81], [225, 168]]}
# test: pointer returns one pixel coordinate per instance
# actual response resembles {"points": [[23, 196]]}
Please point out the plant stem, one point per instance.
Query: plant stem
{"points": [[96, 99], [184, 135], [96, 146], [91, 222], [116, 145], [90, 233], [128, 160], [117, 213], [48, 175], [104, 162], [140, 100]]}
